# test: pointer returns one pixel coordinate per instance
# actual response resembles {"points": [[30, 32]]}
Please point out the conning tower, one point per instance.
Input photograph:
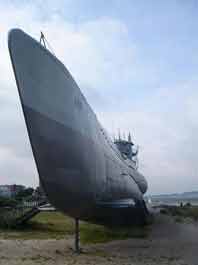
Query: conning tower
{"points": [[127, 149]]}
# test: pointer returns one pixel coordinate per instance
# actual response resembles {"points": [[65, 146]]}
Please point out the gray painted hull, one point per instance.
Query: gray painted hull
{"points": [[79, 167]]}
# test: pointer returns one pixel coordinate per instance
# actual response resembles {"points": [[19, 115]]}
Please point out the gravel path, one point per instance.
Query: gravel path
{"points": [[168, 243]]}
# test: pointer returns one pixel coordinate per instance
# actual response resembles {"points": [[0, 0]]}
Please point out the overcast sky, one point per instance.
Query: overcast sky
{"points": [[135, 61]]}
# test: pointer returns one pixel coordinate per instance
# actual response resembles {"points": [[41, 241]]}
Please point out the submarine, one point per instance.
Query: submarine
{"points": [[83, 172]]}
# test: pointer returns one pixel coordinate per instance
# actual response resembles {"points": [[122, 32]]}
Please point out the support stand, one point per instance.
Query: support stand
{"points": [[77, 237]]}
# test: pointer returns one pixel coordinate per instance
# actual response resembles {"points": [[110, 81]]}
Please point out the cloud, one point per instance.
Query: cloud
{"points": [[122, 81]]}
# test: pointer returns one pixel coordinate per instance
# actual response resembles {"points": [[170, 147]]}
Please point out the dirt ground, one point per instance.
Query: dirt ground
{"points": [[168, 242]]}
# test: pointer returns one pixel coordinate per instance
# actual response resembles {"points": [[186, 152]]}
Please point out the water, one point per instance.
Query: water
{"points": [[174, 201]]}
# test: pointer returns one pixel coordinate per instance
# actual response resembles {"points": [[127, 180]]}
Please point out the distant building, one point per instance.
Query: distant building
{"points": [[5, 191], [10, 190], [16, 189]]}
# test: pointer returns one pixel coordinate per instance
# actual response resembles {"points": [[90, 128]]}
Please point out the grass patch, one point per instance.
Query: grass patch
{"points": [[44, 225], [179, 219], [55, 225], [91, 233], [186, 211]]}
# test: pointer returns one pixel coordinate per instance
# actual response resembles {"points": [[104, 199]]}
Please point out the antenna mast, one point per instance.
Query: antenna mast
{"points": [[44, 41]]}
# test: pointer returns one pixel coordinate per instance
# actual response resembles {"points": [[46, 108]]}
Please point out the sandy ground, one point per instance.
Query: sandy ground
{"points": [[168, 243]]}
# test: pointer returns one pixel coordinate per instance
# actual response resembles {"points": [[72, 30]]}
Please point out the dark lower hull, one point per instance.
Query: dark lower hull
{"points": [[60, 166]]}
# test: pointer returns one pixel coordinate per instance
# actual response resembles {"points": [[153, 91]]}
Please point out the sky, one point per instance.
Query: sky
{"points": [[135, 61]]}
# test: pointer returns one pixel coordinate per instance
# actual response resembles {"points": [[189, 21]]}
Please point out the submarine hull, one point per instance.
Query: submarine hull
{"points": [[79, 167]]}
